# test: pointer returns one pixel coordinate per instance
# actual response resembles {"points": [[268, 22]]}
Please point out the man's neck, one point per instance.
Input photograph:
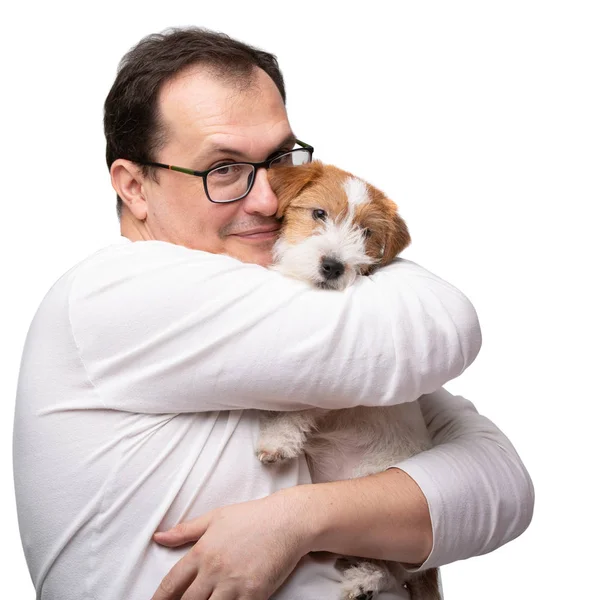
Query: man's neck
{"points": [[132, 228]]}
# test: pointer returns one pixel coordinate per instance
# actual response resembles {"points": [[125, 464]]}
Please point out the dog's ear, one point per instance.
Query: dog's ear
{"points": [[397, 237], [288, 182]]}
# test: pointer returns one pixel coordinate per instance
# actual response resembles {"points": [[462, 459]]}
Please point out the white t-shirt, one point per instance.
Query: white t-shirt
{"points": [[136, 409]]}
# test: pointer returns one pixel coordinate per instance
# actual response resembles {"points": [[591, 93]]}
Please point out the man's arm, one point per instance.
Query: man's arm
{"points": [[467, 496], [478, 493], [164, 329], [247, 550], [379, 516]]}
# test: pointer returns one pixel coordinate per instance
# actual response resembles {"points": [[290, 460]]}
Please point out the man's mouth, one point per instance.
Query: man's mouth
{"points": [[259, 233]]}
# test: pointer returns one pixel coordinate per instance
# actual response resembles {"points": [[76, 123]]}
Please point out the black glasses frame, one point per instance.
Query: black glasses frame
{"points": [[204, 174]]}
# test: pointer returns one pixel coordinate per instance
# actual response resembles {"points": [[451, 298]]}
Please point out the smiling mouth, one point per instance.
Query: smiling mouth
{"points": [[259, 234]]}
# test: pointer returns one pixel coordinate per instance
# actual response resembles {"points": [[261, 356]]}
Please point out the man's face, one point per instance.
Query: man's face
{"points": [[208, 122]]}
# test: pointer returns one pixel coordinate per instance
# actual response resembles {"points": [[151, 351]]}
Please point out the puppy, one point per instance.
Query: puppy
{"points": [[336, 227]]}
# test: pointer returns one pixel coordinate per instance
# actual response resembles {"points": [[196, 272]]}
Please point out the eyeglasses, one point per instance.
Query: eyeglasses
{"points": [[233, 181]]}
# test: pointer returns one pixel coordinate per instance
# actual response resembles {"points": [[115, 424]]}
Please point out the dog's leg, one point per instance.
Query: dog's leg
{"points": [[364, 579], [283, 434], [424, 585]]}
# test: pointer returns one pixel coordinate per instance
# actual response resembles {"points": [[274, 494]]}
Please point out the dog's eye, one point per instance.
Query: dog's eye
{"points": [[367, 233], [319, 214]]}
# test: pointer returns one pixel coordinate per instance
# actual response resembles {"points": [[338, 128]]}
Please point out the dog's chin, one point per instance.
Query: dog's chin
{"points": [[327, 285], [339, 284], [305, 261]]}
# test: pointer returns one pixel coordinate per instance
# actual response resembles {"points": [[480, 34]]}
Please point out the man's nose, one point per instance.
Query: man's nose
{"points": [[261, 200]]}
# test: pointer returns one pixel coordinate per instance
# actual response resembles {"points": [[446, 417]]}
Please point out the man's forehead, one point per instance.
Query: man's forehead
{"points": [[197, 107], [246, 144]]}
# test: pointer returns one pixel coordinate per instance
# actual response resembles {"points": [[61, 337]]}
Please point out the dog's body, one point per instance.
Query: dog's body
{"points": [[336, 227]]}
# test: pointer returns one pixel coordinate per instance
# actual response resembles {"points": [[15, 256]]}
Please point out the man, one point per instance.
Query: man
{"points": [[145, 366]]}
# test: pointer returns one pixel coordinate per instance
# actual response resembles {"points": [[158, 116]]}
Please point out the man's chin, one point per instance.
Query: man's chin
{"points": [[258, 254]]}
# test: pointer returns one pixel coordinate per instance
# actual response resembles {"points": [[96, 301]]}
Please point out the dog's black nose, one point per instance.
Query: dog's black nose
{"points": [[331, 268]]}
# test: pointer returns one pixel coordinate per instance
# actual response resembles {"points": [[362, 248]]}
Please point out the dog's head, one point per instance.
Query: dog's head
{"points": [[335, 226]]}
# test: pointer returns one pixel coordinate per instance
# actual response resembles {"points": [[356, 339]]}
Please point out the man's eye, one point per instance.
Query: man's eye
{"points": [[224, 169], [319, 214]]}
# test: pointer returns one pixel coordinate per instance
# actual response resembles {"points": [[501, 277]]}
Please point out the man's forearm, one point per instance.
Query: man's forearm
{"points": [[380, 516]]}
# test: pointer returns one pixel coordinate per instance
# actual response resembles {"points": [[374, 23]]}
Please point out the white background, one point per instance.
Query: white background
{"points": [[481, 119]]}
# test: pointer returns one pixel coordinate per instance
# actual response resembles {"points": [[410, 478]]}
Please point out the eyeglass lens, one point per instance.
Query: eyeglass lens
{"points": [[231, 182]]}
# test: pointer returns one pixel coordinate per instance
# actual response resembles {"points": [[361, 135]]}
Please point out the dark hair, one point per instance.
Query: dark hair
{"points": [[131, 117]]}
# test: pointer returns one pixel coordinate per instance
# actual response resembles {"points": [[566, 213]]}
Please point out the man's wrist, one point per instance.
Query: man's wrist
{"points": [[313, 519], [304, 522], [383, 516]]}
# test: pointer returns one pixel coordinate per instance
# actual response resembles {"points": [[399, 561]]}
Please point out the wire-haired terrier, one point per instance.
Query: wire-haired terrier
{"points": [[336, 227]]}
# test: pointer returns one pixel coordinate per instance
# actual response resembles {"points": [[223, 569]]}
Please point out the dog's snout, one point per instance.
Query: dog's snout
{"points": [[331, 268]]}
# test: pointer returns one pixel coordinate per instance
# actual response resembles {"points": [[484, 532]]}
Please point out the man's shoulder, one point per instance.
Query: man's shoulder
{"points": [[146, 276], [117, 261], [124, 259], [122, 253]]}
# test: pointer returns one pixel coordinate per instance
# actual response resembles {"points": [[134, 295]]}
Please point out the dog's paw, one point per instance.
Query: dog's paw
{"points": [[279, 446], [268, 456], [357, 591], [363, 581]]}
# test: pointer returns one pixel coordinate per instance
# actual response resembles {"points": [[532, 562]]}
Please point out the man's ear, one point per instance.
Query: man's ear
{"points": [[127, 181], [288, 182], [397, 238]]}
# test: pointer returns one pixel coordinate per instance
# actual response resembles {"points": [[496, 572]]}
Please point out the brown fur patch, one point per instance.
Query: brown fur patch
{"points": [[424, 585], [301, 190]]}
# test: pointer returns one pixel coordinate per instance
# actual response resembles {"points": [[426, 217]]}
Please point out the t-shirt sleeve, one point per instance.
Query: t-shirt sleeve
{"points": [[479, 493], [165, 329]]}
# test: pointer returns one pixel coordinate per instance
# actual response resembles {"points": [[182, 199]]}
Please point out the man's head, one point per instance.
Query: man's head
{"points": [[195, 99]]}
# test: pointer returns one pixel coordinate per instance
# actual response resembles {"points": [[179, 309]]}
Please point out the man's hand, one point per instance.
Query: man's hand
{"points": [[244, 551]]}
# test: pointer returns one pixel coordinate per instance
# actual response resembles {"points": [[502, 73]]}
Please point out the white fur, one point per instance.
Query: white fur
{"points": [[348, 443], [341, 240], [343, 444], [356, 190], [365, 576]]}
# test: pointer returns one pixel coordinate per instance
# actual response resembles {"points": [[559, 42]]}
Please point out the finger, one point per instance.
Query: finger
{"points": [[199, 590], [227, 594], [238, 591], [183, 533], [176, 582]]}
